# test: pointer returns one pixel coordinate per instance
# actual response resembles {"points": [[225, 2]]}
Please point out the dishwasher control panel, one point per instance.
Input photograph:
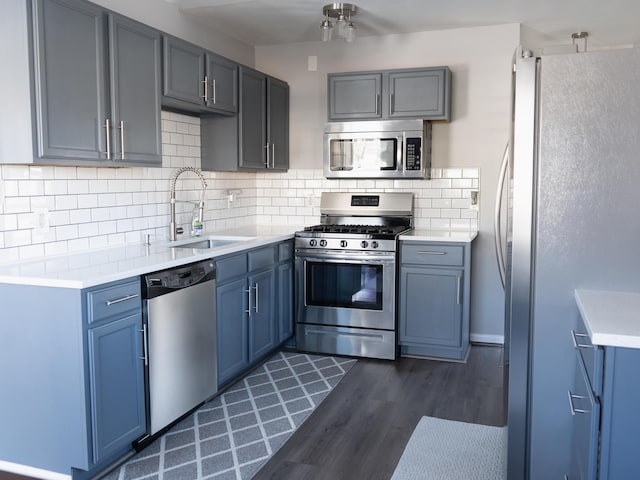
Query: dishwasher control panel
{"points": [[180, 277]]}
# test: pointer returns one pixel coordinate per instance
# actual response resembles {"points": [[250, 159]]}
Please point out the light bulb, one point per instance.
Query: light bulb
{"points": [[327, 29], [350, 35], [341, 26]]}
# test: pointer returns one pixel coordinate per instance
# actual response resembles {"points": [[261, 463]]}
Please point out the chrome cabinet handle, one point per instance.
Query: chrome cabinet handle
{"points": [[205, 97], [390, 103], [123, 299], [268, 147], [377, 103], [248, 292], [431, 253], [574, 338], [108, 130], [458, 290], [213, 87], [273, 155], [145, 346], [255, 287], [572, 408], [122, 139]]}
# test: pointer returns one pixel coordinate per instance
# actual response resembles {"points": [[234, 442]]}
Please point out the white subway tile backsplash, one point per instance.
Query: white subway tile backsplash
{"points": [[92, 207]]}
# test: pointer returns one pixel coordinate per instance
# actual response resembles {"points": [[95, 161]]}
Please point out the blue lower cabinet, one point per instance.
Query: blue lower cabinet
{"points": [[116, 379], [604, 406], [262, 325], [254, 307], [232, 329]]}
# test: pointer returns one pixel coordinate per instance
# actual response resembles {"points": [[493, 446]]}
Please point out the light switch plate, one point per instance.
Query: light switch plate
{"points": [[312, 63]]}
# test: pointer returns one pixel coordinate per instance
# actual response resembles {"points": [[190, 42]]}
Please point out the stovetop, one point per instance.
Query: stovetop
{"points": [[378, 230]]}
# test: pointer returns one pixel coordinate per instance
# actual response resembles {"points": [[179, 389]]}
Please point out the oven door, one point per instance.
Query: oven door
{"points": [[350, 289]]}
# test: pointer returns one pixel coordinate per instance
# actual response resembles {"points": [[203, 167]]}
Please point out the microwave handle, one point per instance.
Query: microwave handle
{"points": [[404, 146]]}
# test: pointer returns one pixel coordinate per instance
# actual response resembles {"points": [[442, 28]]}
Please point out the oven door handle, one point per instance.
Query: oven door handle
{"points": [[352, 257]]}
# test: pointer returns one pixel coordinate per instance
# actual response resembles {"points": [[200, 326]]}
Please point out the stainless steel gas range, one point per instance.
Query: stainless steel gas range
{"points": [[345, 270]]}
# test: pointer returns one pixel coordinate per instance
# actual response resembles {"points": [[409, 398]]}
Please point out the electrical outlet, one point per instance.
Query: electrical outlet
{"points": [[474, 199], [41, 219]]}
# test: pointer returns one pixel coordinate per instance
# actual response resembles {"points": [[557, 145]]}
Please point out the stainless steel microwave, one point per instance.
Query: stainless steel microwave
{"points": [[377, 149]]}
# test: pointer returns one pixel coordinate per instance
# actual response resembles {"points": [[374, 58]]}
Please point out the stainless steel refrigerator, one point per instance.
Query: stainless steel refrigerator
{"points": [[572, 200]]}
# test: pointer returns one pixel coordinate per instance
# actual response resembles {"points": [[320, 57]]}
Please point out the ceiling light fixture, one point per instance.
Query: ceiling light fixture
{"points": [[344, 27]]}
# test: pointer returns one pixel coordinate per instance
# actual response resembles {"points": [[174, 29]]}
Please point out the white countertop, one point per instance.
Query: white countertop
{"points": [[422, 234], [96, 267], [612, 318]]}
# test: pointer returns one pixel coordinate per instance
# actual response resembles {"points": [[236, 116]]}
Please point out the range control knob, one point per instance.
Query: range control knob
{"points": [[374, 244], [312, 243], [364, 244], [323, 243], [343, 243]]}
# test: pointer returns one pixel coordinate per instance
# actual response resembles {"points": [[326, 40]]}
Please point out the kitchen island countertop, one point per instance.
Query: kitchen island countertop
{"points": [[612, 318], [426, 235], [96, 267]]}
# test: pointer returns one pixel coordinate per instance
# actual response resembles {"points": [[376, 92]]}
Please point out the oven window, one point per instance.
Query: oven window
{"points": [[363, 154], [344, 285]]}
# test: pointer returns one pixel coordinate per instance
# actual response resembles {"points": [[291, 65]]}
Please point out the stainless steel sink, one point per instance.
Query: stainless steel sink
{"points": [[208, 243], [205, 244]]}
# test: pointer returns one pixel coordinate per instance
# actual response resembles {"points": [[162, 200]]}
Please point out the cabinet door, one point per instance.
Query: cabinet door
{"points": [[134, 59], [116, 384], [262, 325], [69, 80], [278, 124], [253, 119], [183, 69], [232, 340], [430, 306], [285, 302], [222, 91], [355, 96], [421, 93]]}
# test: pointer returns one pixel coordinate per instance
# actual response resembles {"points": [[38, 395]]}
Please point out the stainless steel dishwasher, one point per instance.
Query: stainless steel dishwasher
{"points": [[180, 327]]}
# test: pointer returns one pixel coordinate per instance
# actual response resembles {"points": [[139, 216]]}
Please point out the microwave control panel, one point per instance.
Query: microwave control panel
{"points": [[412, 154]]}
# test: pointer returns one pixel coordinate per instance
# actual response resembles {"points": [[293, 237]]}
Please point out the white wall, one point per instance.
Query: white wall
{"points": [[168, 18], [480, 61]]}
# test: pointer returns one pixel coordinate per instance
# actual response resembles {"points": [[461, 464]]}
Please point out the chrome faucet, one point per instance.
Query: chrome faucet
{"points": [[173, 230]]}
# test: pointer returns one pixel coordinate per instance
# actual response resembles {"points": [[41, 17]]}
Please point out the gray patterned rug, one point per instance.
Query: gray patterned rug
{"points": [[447, 450], [234, 434]]}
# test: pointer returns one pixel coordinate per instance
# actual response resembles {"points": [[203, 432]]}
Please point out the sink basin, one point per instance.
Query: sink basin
{"points": [[207, 243]]}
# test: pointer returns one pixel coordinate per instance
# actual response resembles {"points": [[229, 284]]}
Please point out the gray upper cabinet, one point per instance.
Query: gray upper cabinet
{"points": [[222, 88], [278, 123], [134, 60], [355, 96], [197, 80], [257, 139], [389, 94], [96, 86], [252, 120], [69, 57], [423, 93]]}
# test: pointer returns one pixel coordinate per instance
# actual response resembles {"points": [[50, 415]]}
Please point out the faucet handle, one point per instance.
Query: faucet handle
{"points": [[179, 230]]}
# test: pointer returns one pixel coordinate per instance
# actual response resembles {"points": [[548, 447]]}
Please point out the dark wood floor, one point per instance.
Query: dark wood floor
{"points": [[360, 430]]}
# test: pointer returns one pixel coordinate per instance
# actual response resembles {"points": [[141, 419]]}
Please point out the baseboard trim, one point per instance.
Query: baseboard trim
{"points": [[484, 338]]}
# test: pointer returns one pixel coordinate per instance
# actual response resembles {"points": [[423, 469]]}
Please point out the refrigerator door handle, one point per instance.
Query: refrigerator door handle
{"points": [[497, 214]]}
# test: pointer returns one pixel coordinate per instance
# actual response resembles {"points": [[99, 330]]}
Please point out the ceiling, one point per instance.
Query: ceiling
{"points": [[268, 22]]}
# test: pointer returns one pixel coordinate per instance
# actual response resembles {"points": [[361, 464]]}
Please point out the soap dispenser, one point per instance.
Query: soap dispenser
{"points": [[196, 224]]}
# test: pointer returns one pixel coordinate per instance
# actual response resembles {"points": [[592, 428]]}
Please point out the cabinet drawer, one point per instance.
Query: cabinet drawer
{"points": [[231, 267], [261, 258], [592, 356], [585, 425], [285, 251], [113, 300], [429, 254]]}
